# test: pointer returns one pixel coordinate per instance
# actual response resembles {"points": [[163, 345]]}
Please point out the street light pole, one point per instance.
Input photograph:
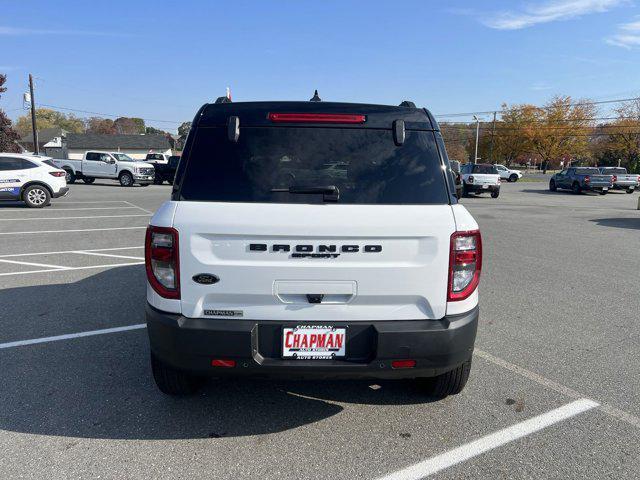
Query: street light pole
{"points": [[475, 156]]}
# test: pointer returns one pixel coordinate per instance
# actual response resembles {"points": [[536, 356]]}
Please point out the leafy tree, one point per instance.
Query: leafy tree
{"points": [[47, 118], [8, 136], [183, 129], [129, 126], [154, 131], [100, 125], [619, 141]]}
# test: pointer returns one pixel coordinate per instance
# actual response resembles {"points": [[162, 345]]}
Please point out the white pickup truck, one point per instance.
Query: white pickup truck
{"points": [[479, 178], [113, 165]]}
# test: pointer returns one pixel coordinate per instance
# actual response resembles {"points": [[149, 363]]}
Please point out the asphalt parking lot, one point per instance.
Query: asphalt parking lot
{"points": [[554, 390]]}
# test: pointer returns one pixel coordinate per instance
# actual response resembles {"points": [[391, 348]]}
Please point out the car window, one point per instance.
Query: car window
{"points": [[104, 157], [10, 163], [364, 164], [26, 164], [587, 171], [484, 169], [92, 156]]}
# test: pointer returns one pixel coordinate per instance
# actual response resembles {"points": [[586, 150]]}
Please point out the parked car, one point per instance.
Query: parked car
{"points": [[112, 165], [579, 179], [479, 178], [165, 172], [457, 177], [508, 174], [33, 179], [621, 179], [372, 272], [156, 158]]}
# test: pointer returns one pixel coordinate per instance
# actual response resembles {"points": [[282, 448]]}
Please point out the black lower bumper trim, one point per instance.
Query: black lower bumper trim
{"points": [[61, 193], [190, 344]]}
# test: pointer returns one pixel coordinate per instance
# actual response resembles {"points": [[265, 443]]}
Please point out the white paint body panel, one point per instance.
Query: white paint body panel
{"points": [[406, 280]]}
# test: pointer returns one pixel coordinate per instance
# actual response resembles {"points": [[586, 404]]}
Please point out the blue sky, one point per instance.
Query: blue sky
{"points": [[162, 60]]}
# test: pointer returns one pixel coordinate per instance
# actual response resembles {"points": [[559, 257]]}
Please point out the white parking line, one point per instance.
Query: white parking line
{"points": [[143, 209], [72, 231], [21, 343], [66, 202], [82, 252], [75, 218], [491, 441], [67, 269], [70, 251], [545, 382], [31, 264], [115, 207]]}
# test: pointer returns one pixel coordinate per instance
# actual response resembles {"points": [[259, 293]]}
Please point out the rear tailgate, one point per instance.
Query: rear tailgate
{"points": [[485, 179], [600, 180], [403, 275]]}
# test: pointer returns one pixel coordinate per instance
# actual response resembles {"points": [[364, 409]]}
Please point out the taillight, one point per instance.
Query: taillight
{"points": [[58, 173], [587, 179], [465, 264], [317, 118], [614, 178], [470, 179], [162, 261]]}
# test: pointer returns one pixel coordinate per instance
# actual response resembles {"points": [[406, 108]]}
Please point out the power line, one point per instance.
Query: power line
{"points": [[105, 114], [502, 110]]}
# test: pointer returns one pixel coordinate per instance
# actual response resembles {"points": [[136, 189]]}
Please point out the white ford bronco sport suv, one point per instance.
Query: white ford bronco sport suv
{"points": [[313, 240]]}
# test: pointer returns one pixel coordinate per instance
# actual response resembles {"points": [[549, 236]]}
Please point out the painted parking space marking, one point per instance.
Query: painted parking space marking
{"points": [[564, 390], [81, 252], [68, 269], [71, 251], [33, 232], [69, 336], [75, 218], [31, 264], [492, 441]]}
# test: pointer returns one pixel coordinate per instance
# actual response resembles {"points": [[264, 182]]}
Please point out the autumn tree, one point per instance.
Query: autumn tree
{"points": [[47, 118], [559, 129], [619, 141], [8, 136], [103, 126], [457, 137]]}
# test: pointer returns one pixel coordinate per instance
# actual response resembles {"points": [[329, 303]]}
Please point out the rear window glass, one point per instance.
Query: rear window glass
{"points": [[617, 171], [364, 164], [487, 169], [587, 171]]}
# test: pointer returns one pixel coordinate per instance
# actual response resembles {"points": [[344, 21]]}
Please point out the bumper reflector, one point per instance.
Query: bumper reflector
{"points": [[223, 363], [403, 364]]}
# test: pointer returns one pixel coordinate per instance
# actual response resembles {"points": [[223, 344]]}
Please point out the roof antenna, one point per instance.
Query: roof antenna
{"points": [[315, 98]]}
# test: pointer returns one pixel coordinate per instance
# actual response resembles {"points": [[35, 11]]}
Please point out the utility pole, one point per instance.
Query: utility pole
{"points": [[475, 157], [36, 147], [493, 133]]}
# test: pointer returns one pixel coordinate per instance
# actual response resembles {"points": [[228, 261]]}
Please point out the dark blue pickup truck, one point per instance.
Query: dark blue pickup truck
{"points": [[579, 179]]}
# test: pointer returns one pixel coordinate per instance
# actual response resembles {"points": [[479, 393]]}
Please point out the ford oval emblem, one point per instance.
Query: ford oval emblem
{"points": [[205, 278]]}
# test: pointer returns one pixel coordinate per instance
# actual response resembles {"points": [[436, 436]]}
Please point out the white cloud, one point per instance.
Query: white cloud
{"points": [[548, 11], [15, 31], [628, 35]]}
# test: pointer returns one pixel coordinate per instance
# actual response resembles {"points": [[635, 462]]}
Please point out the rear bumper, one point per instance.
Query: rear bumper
{"points": [[472, 187], [61, 193], [191, 343]]}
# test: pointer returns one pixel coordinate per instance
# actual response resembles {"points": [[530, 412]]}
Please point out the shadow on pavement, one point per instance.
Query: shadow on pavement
{"points": [[101, 386], [628, 223]]}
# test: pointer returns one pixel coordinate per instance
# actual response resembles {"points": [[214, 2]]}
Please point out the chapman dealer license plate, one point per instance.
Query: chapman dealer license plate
{"points": [[313, 342]]}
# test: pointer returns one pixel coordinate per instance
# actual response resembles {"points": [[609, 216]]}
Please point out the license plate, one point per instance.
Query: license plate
{"points": [[313, 342], [605, 189], [485, 186]]}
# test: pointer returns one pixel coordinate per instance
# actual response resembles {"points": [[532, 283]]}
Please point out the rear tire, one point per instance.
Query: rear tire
{"points": [[126, 179], [513, 178], [70, 177], [630, 190], [495, 194], [552, 186], [449, 383], [575, 188], [88, 180], [171, 381], [36, 196]]}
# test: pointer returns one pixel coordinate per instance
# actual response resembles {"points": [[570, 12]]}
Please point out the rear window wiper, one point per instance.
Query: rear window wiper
{"points": [[330, 193]]}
